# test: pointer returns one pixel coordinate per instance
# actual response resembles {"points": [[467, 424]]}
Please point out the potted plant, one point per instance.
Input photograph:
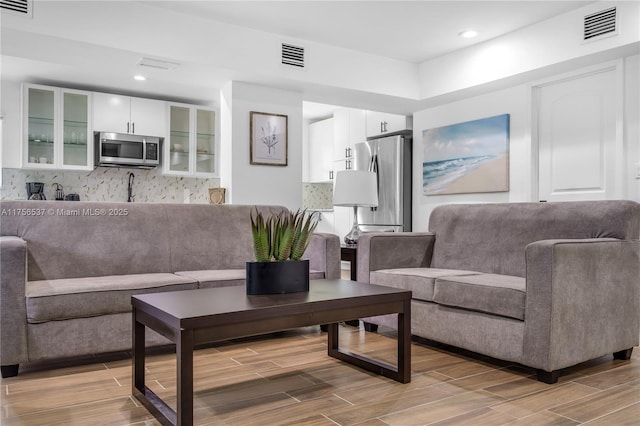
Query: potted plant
{"points": [[279, 242]]}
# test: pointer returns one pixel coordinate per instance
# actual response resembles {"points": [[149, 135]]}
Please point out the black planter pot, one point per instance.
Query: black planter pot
{"points": [[288, 276]]}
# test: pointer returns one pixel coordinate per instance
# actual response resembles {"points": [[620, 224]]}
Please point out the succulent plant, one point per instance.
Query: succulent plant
{"points": [[282, 236]]}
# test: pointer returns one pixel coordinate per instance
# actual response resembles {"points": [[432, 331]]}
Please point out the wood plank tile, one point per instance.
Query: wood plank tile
{"points": [[288, 379], [480, 417], [545, 418], [533, 403], [627, 416], [599, 404], [442, 409]]}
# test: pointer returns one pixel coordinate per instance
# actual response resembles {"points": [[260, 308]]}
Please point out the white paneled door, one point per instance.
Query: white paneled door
{"points": [[579, 138]]}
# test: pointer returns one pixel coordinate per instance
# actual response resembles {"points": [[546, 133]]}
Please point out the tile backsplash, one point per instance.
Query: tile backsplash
{"points": [[317, 195], [109, 184]]}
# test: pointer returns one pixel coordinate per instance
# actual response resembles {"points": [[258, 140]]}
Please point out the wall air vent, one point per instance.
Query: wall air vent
{"points": [[292, 55], [600, 24], [17, 7]]}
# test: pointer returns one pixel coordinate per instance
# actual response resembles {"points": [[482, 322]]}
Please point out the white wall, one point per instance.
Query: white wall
{"points": [[258, 184], [515, 101], [10, 108], [631, 124], [549, 43]]}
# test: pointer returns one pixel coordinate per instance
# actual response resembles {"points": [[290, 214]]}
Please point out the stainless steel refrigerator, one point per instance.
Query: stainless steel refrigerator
{"points": [[390, 158]]}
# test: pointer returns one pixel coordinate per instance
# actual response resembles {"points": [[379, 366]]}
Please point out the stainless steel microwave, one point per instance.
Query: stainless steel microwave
{"points": [[127, 150]]}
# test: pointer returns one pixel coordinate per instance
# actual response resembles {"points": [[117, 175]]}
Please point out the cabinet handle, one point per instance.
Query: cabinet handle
{"points": [[330, 174], [127, 127], [348, 165], [382, 127], [133, 128]]}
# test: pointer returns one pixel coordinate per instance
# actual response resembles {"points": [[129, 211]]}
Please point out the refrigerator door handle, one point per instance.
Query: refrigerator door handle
{"points": [[374, 168]]}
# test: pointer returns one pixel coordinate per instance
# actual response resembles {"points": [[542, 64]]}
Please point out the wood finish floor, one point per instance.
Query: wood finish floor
{"points": [[287, 379]]}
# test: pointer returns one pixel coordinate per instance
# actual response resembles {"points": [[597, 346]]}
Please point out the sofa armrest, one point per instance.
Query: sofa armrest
{"points": [[582, 300], [13, 311], [390, 250], [323, 253]]}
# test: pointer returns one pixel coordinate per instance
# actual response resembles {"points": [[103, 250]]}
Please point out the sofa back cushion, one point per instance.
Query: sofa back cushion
{"points": [[491, 238], [82, 239], [90, 239], [211, 236]]}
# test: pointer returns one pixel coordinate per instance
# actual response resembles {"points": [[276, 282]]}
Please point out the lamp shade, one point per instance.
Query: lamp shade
{"points": [[355, 188]]}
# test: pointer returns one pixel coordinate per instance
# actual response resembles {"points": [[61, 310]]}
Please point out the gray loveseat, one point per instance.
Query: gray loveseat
{"points": [[546, 285], [68, 269]]}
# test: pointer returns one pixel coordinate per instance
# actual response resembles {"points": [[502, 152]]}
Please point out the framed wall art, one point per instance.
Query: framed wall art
{"points": [[268, 139], [467, 157]]}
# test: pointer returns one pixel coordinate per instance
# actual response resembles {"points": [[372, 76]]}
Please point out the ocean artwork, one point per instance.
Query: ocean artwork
{"points": [[467, 157]]}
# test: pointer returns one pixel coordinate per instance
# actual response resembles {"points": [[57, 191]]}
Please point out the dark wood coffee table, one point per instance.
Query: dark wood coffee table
{"points": [[194, 317]]}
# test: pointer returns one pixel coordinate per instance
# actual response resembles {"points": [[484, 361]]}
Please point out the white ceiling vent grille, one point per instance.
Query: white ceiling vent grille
{"points": [[157, 63], [600, 23], [292, 55], [17, 7]]}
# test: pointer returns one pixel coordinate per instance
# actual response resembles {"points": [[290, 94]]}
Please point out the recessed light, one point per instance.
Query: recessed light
{"points": [[140, 77], [468, 34]]}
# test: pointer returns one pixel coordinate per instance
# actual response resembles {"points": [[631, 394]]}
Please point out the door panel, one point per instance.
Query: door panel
{"points": [[577, 138]]}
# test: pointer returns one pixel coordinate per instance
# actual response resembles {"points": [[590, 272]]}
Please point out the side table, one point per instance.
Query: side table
{"points": [[349, 253]]}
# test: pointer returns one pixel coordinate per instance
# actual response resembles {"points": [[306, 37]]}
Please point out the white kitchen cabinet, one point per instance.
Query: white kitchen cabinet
{"points": [[191, 148], [56, 128], [125, 114], [380, 123], [321, 150], [349, 129]]}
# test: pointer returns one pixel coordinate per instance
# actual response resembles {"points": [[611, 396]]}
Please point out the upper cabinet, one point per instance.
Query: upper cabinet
{"points": [[191, 147], [125, 114], [380, 123], [349, 129], [321, 137], [56, 128]]}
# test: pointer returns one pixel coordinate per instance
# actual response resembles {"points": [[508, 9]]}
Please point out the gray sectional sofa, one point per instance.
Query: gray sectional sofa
{"points": [[68, 269], [546, 285]]}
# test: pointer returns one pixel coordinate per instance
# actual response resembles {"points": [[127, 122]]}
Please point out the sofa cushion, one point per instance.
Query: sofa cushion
{"points": [[227, 277], [502, 295], [492, 238], [215, 277], [419, 280], [50, 300]]}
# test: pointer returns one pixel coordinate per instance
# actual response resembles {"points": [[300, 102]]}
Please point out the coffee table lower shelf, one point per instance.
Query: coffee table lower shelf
{"points": [[193, 317]]}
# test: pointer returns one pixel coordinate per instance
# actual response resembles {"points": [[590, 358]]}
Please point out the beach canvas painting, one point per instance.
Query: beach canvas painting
{"points": [[467, 157]]}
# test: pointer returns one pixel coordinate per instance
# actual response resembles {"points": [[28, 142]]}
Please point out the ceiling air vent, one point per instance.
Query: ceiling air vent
{"points": [[292, 55], [17, 7], [600, 23], [157, 63]]}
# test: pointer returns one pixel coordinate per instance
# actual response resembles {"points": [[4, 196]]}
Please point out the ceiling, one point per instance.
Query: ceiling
{"points": [[99, 56], [412, 31]]}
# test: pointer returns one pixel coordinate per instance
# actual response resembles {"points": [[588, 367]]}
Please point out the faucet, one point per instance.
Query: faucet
{"points": [[130, 196]]}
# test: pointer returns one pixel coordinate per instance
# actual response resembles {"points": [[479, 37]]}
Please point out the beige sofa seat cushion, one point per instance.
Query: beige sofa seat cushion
{"points": [[215, 277], [419, 280], [52, 300], [502, 295], [227, 277]]}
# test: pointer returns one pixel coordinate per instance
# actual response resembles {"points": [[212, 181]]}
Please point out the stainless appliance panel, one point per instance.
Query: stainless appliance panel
{"points": [[390, 158]]}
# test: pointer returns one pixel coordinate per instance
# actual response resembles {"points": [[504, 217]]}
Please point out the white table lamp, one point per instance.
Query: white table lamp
{"points": [[355, 188]]}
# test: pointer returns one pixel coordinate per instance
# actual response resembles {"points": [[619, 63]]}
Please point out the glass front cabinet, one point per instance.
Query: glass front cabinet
{"points": [[57, 128], [191, 148]]}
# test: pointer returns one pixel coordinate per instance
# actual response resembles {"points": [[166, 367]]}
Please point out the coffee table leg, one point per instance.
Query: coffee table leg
{"points": [[184, 353], [404, 343], [138, 354], [401, 373]]}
